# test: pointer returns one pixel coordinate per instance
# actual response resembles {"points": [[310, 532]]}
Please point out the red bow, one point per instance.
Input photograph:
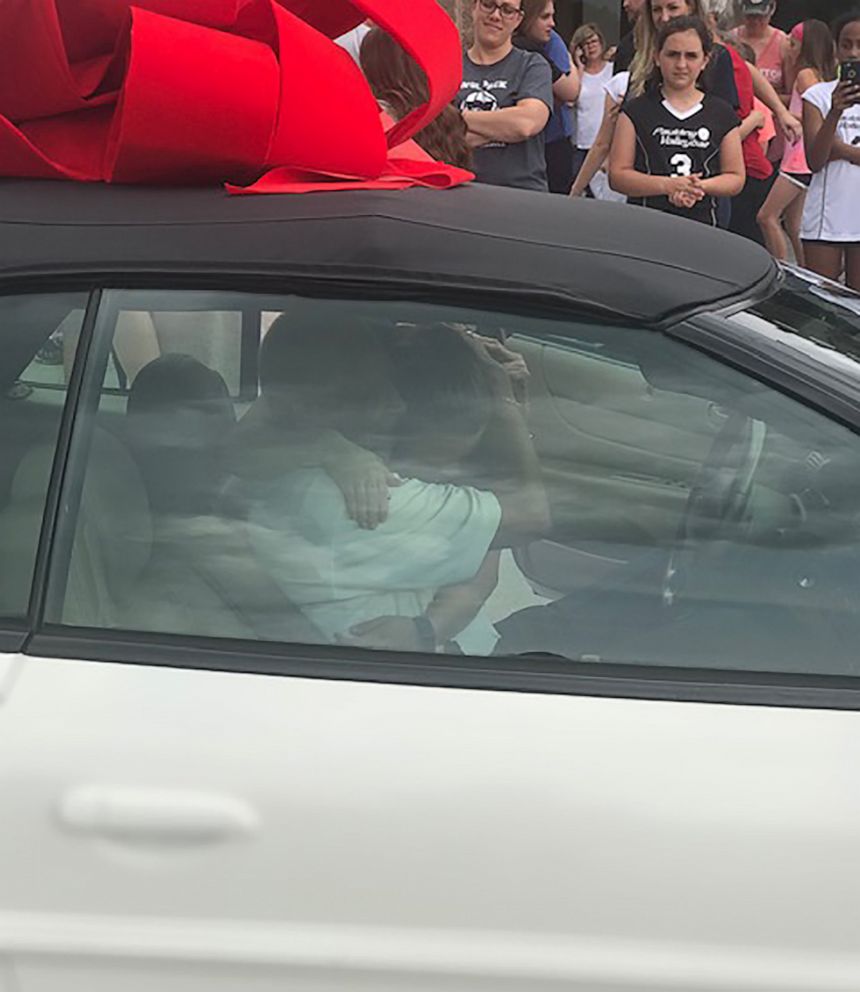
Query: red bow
{"points": [[196, 91]]}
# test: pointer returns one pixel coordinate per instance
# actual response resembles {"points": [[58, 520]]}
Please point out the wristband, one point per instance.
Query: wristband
{"points": [[426, 634]]}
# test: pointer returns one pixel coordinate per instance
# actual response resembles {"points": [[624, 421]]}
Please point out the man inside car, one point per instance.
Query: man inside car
{"points": [[435, 405]]}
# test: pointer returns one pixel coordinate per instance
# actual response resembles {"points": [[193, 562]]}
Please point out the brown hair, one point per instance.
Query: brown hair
{"points": [[400, 86], [645, 34], [532, 9], [817, 50]]}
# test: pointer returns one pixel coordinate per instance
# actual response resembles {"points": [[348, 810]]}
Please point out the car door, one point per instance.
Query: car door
{"points": [[200, 798], [33, 389]]}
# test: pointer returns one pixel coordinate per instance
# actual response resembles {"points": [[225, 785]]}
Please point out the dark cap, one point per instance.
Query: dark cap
{"points": [[761, 7]]}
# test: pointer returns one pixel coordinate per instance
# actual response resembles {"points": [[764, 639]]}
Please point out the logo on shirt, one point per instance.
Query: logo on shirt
{"points": [[682, 137], [479, 100]]}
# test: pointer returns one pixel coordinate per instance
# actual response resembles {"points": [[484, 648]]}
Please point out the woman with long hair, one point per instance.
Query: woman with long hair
{"points": [[537, 33], [814, 61], [719, 81], [677, 148], [831, 128], [627, 85], [400, 86]]}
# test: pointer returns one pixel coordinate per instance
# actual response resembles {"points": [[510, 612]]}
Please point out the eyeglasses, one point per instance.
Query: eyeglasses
{"points": [[507, 10]]}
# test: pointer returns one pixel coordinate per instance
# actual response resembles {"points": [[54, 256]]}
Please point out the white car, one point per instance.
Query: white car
{"points": [[506, 638]]}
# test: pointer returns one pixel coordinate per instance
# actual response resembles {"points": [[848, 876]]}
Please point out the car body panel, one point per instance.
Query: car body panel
{"points": [[196, 814], [435, 837]]}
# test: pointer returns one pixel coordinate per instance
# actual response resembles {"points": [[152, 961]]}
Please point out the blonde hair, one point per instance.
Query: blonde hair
{"points": [[642, 66]]}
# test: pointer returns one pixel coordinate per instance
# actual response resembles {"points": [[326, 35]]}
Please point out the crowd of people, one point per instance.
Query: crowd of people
{"points": [[705, 110]]}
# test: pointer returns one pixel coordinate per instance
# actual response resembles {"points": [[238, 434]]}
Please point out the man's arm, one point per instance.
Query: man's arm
{"points": [[263, 447], [512, 471], [510, 125]]}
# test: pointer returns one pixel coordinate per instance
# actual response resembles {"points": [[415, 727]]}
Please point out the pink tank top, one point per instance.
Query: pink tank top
{"points": [[794, 159], [770, 61]]}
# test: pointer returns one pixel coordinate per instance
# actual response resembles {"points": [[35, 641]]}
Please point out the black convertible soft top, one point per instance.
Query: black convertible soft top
{"points": [[636, 262]]}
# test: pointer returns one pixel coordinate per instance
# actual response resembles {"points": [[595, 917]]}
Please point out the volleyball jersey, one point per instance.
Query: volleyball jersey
{"points": [[669, 143]]}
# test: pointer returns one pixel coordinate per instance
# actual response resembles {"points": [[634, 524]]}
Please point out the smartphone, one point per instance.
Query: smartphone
{"points": [[849, 72]]}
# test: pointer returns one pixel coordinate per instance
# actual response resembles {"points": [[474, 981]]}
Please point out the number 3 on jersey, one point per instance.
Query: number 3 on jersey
{"points": [[682, 165]]}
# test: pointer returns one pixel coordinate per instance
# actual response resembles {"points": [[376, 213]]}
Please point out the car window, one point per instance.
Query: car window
{"points": [[812, 311], [39, 337], [422, 478]]}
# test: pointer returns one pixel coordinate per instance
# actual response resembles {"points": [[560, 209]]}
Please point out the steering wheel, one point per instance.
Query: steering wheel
{"points": [[719, 497]]}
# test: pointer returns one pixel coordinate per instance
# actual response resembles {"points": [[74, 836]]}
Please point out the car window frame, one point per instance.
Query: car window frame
{"points": [[533, 673], [15, 633]]}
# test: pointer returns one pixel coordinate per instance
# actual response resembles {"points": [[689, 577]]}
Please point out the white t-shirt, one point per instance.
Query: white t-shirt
{"points": [[589, 106], [351, 41], [340, 575], [618, 86], [832, 211]]}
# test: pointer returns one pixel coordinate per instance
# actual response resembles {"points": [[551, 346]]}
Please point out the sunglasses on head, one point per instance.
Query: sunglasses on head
{"points": [[507, 10]]}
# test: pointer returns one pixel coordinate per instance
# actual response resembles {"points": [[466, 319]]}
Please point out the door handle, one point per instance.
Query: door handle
{"points": [[156, 816]]}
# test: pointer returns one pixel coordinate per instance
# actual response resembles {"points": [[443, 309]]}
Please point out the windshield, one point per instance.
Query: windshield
{"points": [[811, 315]]}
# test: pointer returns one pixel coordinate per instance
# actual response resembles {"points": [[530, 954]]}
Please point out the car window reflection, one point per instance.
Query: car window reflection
{"points": [[423, 479]]}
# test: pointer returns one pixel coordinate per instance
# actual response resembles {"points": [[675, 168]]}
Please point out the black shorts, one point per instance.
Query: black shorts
{"points": [[802, 179], [831, 244]]}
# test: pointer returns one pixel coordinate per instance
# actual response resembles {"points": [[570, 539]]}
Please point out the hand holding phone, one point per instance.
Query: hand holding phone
{"points": [[846, 94], [849, 72]]}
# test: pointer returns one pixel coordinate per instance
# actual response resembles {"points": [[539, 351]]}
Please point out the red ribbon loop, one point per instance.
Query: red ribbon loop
{"points": [[248, 92]]}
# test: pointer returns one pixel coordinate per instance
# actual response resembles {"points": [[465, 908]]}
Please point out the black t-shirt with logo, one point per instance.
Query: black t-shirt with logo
{"points": [[673, 144]]}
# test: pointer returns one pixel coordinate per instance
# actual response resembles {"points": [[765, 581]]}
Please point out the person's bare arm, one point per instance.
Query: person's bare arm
{"points": [[625, 178], [752, 122], [452, 610], [790, 125], [733, 173], [599, 150], [566, 88], [821, 141], [510, 125], [511, 468], [263, 447], [455, 607]]}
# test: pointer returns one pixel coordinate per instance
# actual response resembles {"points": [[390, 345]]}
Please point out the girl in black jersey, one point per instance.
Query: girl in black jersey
{"points": [[677, 149]]}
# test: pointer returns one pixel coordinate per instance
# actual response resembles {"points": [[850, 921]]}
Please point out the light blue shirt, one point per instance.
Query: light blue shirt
{"points": [[341, 575]]}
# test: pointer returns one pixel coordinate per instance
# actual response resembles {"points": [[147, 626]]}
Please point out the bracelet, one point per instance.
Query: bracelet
{"points": [[426, 633]]}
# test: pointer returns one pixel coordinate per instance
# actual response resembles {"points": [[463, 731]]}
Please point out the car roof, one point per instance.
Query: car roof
{"points": [[494, 242]]}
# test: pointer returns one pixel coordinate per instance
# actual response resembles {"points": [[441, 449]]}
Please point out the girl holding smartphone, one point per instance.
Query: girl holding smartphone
{"points": [[831, 127]]}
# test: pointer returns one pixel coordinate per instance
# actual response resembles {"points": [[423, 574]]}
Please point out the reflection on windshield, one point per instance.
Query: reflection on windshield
{"points": [[810, 311]]}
